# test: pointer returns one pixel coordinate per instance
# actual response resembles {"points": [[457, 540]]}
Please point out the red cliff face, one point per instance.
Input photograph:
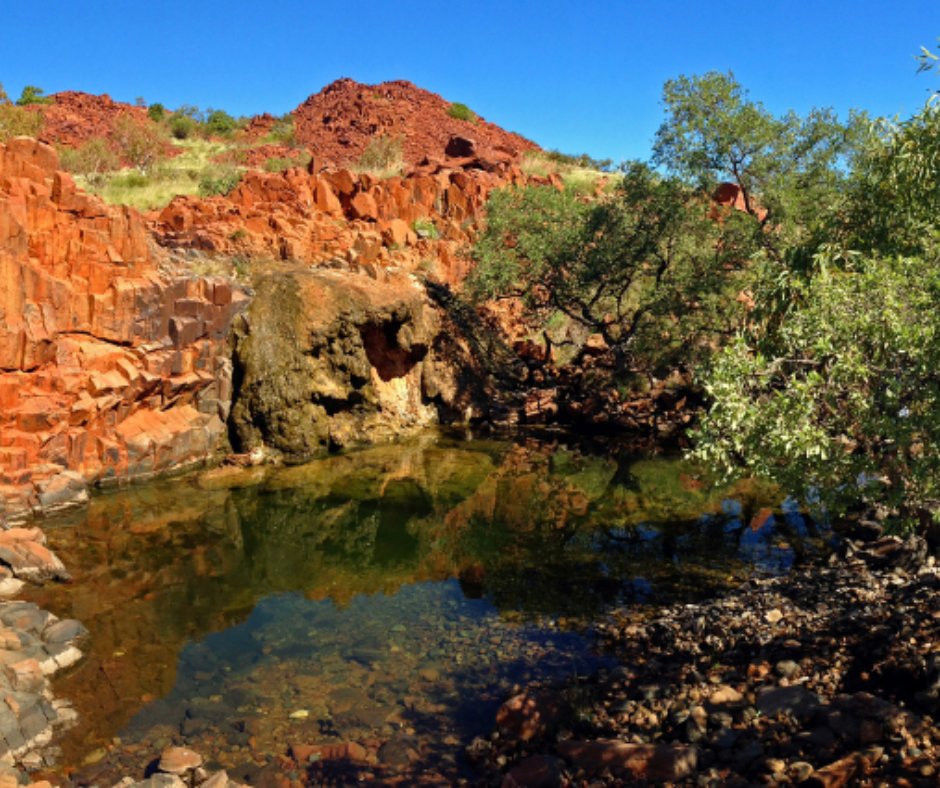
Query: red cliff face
{"points": [[111, 366]]}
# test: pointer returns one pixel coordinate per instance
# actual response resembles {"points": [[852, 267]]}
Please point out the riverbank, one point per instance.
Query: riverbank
{"points": [[828, 676]]}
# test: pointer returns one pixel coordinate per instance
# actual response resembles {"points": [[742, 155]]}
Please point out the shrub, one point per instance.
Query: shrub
{"points": [[383, 153], [182, 127], [462, 112], [220, 182], [282, 131], [33, 95], [220, 124], [156, 112], [139, 144], [90, 159], [4, 98], [281, 163], [425, 228], [18, 122]]}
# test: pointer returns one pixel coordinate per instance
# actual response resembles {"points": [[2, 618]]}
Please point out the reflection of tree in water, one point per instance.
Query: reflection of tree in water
{"points": [[534, 528]]}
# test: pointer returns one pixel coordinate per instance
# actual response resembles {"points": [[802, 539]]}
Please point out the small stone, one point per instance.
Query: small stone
{"points": [[725, 694], [300, 714], [801, 770], [773, 616], [787, 668], [179, 760]]}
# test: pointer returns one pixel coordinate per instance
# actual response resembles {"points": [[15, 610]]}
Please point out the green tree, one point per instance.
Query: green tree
{"points": [[32, 95], [839, 399], [651, 267], [785, 168], [220, 124]]}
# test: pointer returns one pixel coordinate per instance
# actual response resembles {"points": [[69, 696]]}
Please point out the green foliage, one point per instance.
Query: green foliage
{"points": [[647, 266], [836, 396], [220, 182], [786, 168], [462, 112], [220, 124], [281, 163], [156, 112], [90, 159], [425, 228], [842, 403], [283, 131], [183, 127], [33, 95], [142, 145], [579, 160], [19, 122]]}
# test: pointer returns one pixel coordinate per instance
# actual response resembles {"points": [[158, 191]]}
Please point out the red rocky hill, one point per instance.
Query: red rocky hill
{"points": [[338, 122], [74, 117]]}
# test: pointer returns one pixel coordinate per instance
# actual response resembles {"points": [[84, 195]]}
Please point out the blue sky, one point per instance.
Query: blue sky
{"points": [[579, 77]]}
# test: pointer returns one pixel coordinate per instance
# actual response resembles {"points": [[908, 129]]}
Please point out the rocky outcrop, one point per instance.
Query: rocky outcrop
{"points": [[111, 366], [326, 358], [421, 220], [338, 123], [73, 117]]}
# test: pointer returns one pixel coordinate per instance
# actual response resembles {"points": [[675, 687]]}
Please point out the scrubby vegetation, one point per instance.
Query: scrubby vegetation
{"points": [[788, 262], [462, 112], [383, 156], [195, 169], [31, 94]]}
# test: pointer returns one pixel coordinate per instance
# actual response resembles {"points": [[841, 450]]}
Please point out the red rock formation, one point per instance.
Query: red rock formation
{"points": [[110, 367], [330, 216], [338, 123], [74, 117]]}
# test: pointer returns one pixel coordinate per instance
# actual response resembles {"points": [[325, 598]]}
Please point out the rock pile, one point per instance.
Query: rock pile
{"points": [[110, 368], [72, 117], [319, 216], [829, 676], [340, 121]]}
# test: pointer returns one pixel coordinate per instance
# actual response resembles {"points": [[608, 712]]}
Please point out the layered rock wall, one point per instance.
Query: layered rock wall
{"points": [[110, 368], [421, 220]]}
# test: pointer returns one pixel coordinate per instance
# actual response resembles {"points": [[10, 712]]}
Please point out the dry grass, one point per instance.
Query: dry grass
{"points": [[181, 174], [583, 180]]}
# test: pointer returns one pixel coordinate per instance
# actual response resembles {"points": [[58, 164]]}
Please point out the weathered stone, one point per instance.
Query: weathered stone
{"points": [[655, 763], [179, 760]]}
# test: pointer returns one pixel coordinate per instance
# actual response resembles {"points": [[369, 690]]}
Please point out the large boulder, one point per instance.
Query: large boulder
{"points": [[326, 358]]}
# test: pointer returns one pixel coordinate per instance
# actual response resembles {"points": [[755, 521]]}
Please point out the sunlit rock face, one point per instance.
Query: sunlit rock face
{"points": [[327, 358], [111, 367]]}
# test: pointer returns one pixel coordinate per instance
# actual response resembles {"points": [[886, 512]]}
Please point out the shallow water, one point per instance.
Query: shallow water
{"points": [[393, 596]]}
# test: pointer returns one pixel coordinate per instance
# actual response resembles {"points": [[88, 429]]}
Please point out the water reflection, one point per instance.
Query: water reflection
{"points": [[416, 575]]}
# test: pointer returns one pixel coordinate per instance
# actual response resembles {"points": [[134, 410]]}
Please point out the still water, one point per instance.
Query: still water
{"points": [[392, 597]]}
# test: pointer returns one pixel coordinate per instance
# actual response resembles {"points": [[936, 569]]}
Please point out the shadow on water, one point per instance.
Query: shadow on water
{"points": [[392, 596]]}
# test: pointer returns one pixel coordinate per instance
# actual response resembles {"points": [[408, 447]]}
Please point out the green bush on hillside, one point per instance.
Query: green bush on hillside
{"points": [[461, 112], [156, 112], [19, 122], [220, 182], [33, 95], [220, 124], [283, 131], [90, 159]]}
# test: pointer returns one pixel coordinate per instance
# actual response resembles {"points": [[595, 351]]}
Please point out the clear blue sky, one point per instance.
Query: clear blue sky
{"points": [[583, 76]]}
